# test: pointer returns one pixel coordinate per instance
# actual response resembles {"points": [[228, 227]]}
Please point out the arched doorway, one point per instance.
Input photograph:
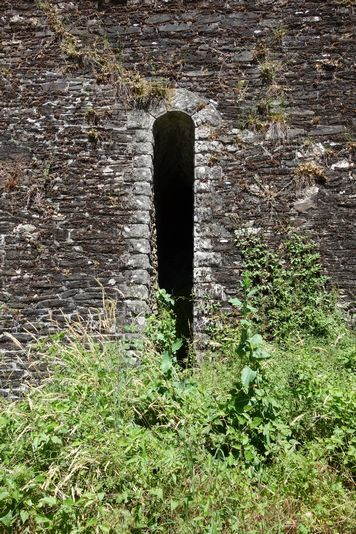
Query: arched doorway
{"points": [[174, 211]]}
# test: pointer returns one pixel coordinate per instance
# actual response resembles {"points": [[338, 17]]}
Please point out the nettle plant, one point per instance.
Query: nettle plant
{"points": [[162, 327], [251, 428]]}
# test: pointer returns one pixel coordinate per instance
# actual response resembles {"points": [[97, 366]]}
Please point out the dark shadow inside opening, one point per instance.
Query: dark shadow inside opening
{"points": [[174, 207]]}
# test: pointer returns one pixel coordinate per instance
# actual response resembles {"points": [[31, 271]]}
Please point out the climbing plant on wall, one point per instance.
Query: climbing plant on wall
{"points": [[291, 293]]}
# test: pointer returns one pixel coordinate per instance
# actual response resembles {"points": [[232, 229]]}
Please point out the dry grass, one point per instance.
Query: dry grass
{"points": [[12, 174], [104, 63], [309, 173]]}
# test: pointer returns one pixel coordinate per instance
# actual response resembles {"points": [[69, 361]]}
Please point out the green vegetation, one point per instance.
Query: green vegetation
{"points": [[269, 70], [291, 293], [267, 111], [257, 439]]}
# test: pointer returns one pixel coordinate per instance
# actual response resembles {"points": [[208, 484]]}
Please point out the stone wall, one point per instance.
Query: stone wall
{"points": [[268, 85]]}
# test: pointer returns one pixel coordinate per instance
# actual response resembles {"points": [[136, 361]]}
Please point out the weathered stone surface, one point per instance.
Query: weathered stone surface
{"points": [[76, 165], [307, 201]]}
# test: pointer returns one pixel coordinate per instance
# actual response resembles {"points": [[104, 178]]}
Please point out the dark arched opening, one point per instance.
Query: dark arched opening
{"points": [[174, 207]]}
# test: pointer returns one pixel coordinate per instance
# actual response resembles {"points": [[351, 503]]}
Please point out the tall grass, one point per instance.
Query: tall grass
{"points": [[107, 446]]}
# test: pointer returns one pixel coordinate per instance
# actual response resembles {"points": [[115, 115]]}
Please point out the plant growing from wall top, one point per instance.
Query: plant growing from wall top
{"points": [[104, 63]]}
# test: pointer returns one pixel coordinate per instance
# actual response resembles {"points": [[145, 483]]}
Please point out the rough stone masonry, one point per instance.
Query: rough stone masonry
{"points": [[268, 85]]}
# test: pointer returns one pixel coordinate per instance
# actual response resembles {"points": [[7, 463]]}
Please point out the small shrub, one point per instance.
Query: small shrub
{"points": [[265, 114], [161, 327], [269, 70], [261, 51], [241, 89], [279, 32], [93, 135], [251, 429], [146, 93], [278, 116]]}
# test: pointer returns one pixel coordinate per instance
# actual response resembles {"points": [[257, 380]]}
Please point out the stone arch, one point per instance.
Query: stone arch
{"points": [[139, 233], [173, 184]]}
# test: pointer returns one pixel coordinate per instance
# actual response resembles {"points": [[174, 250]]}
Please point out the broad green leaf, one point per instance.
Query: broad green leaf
{"points": [[167, 363], [246, 280], [174, 505], [56, 440], [3, 421], [244, 439], [256, 421], [261, 354], [236, 303], [252, 292], [249, 456], [177, 345], [182, 385], [24, 515], [251, 309], [255, 341], [41, 519], [247, 377], [158, 492], [6, 519], [49, 501]]}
